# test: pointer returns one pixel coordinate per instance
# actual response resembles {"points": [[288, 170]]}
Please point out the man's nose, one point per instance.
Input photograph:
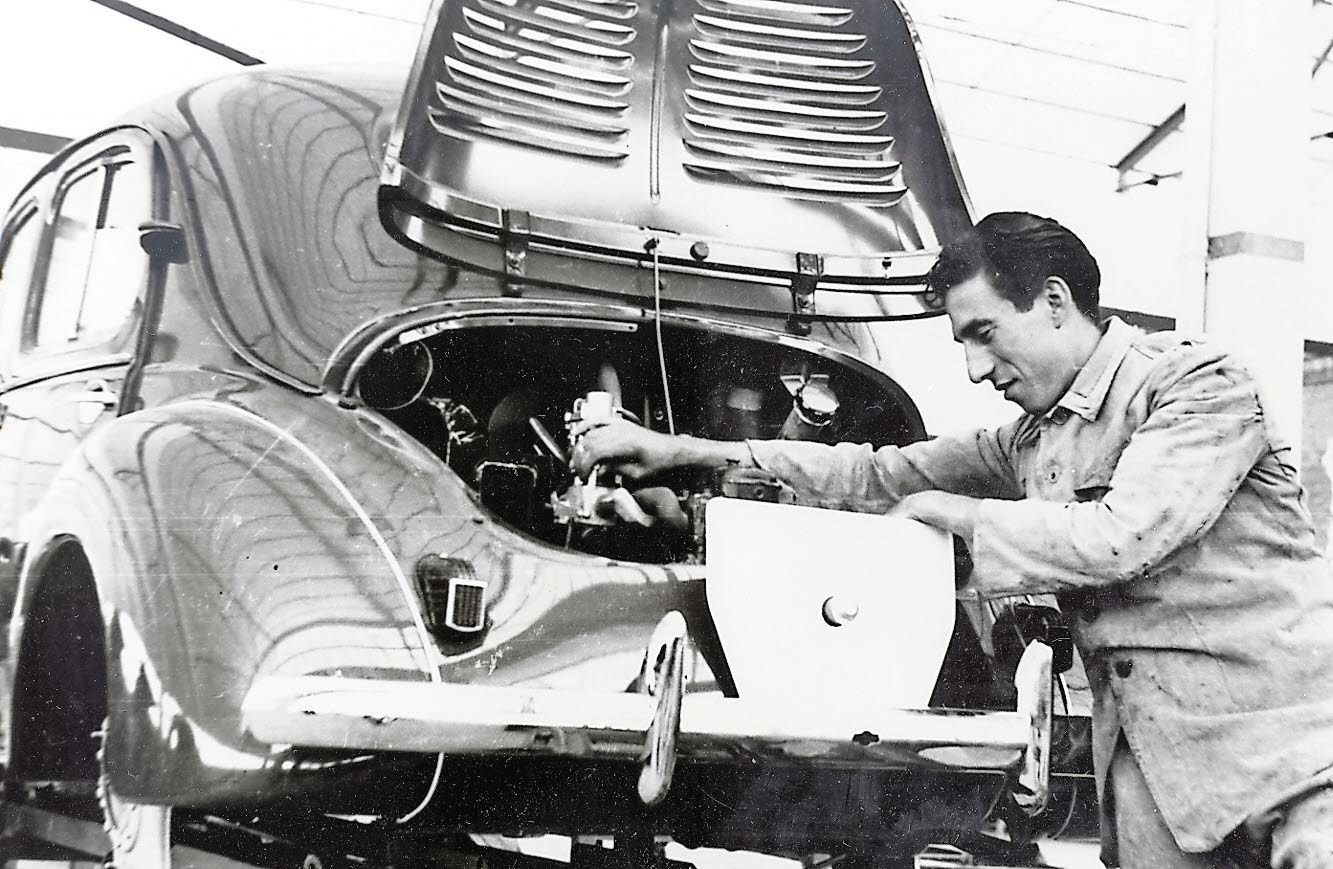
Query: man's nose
{"points": [[979, 363]]}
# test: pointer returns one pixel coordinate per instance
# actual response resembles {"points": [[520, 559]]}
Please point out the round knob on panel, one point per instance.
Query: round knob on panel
{"points": [[840, 609]]}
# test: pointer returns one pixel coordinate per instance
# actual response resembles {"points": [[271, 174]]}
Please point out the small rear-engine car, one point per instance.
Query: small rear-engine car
{"points": [[289, 363]]}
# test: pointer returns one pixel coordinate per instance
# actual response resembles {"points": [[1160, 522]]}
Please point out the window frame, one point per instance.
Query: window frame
{"points": [[29, 361]]}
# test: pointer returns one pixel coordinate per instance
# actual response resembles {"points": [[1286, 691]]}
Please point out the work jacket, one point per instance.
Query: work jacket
{"points": [[1158, 504]]}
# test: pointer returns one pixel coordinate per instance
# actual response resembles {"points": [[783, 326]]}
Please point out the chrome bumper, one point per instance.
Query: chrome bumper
{"points": [[361, 714]]}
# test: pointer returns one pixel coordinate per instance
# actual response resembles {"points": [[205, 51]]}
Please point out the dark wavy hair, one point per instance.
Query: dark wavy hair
{"points": [[1019, 251]]}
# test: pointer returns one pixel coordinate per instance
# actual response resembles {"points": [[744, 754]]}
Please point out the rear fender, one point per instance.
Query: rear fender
{"points": [[223, 548]]}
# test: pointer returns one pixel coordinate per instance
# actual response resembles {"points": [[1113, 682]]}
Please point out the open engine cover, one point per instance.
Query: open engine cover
{"points": [[758, 141]]}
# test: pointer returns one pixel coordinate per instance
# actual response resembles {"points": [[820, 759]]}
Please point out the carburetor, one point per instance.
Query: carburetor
{"points": [[600, 499]]}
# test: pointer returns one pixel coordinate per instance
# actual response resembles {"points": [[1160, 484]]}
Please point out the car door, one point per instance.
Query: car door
{"points": [[69, 335]]}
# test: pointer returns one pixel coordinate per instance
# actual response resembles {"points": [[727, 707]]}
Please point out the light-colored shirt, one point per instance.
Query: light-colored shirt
{"points": [[1157, 502]]}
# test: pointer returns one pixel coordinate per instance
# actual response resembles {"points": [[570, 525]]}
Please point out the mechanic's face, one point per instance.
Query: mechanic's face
{"points": [[1024, 354]]}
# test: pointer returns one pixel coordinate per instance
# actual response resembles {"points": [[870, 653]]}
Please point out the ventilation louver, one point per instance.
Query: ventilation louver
{"points": [[779, 98], [551, 74]]}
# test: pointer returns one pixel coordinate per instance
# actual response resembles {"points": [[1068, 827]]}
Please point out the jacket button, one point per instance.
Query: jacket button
{"points": [[1124, 668]]}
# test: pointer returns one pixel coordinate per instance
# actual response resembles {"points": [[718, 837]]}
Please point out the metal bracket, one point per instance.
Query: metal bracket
{"points": [[1034, 683], [515, 236], [809, 268]]}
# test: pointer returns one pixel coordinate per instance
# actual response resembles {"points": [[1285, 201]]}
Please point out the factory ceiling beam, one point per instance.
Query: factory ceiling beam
{"points": [[27, 140], [1158, 134], [171, 28]]}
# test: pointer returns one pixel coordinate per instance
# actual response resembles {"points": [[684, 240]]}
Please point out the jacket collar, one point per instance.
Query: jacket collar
{"points": [[1088, 392]]}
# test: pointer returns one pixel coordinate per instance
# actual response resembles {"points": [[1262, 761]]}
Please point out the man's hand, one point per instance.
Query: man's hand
{"points": [[953, 513], [637, 452], [629, 449]]}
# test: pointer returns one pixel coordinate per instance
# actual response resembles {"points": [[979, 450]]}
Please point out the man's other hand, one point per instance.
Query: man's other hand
{"points": [[953, 513]]}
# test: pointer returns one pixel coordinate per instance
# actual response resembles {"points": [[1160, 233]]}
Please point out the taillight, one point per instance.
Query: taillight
{"points": [[454, 599]]}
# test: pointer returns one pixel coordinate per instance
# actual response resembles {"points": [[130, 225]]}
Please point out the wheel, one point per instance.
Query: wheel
{"points": [[140, 833]]}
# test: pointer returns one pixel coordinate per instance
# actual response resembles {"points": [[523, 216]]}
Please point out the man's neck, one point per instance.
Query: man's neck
{"points": [[1083, 342]]}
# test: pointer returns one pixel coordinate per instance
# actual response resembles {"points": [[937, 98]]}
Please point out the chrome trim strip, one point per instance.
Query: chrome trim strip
{"points": [[849, 273]]}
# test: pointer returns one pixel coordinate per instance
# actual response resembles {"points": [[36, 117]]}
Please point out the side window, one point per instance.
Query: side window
{"points": [[96, 266]]}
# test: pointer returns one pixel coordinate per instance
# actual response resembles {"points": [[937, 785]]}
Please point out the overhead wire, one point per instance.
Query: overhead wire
{"points": [[171, 28]]}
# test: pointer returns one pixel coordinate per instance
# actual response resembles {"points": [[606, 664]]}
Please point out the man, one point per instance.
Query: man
{"points": [[1146, 488]]}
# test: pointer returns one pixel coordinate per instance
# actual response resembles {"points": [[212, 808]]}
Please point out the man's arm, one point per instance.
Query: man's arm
{"points": [[1203, 435], [846, 476], [858, 477]]}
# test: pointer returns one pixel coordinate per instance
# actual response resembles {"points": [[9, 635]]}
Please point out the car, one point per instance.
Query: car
{"points": [[289, 540]]}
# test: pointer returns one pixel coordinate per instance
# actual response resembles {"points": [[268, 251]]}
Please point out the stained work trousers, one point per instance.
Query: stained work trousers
{"points": [[1298, 835]]}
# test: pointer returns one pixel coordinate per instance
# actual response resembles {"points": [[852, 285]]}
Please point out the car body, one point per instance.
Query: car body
{"points": [[275, 507]]}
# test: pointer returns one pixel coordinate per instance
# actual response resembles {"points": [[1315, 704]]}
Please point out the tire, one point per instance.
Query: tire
{"points": [[140, 834]]}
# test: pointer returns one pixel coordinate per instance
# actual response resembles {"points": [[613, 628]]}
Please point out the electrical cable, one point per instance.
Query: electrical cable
{"points": [[430, 792], [652, 246]]}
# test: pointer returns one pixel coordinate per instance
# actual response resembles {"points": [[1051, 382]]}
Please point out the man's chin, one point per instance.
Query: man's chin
{"points": [[1026, 403]]}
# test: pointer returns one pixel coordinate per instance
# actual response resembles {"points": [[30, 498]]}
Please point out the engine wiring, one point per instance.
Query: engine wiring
{"points": [[652, 246]]}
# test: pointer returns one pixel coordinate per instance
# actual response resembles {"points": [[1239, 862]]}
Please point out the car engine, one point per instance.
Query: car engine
{"points": [[498, 403]]}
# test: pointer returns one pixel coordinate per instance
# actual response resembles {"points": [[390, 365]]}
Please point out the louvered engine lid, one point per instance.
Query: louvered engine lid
{"points": [[742, 143]]}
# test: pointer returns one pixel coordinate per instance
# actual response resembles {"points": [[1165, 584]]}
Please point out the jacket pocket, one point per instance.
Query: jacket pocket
{"points": [[1092, 482]]}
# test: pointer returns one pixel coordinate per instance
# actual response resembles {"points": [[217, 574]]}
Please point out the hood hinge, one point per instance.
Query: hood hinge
{"points": [[809, 268], [515, 236]]}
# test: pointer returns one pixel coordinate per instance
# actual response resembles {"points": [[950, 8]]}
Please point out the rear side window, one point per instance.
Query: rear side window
{"points": [[18, 255], [96, 265]]}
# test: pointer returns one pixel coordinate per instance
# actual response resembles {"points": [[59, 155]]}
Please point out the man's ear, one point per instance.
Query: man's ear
{"points": [[1060, 299]]}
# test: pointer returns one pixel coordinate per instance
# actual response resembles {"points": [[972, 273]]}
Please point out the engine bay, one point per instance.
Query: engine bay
{"points": [[497, 403]]}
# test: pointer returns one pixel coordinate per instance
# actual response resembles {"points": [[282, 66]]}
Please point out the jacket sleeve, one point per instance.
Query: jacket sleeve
{"points": [[1203, 434], [858, 477]]}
